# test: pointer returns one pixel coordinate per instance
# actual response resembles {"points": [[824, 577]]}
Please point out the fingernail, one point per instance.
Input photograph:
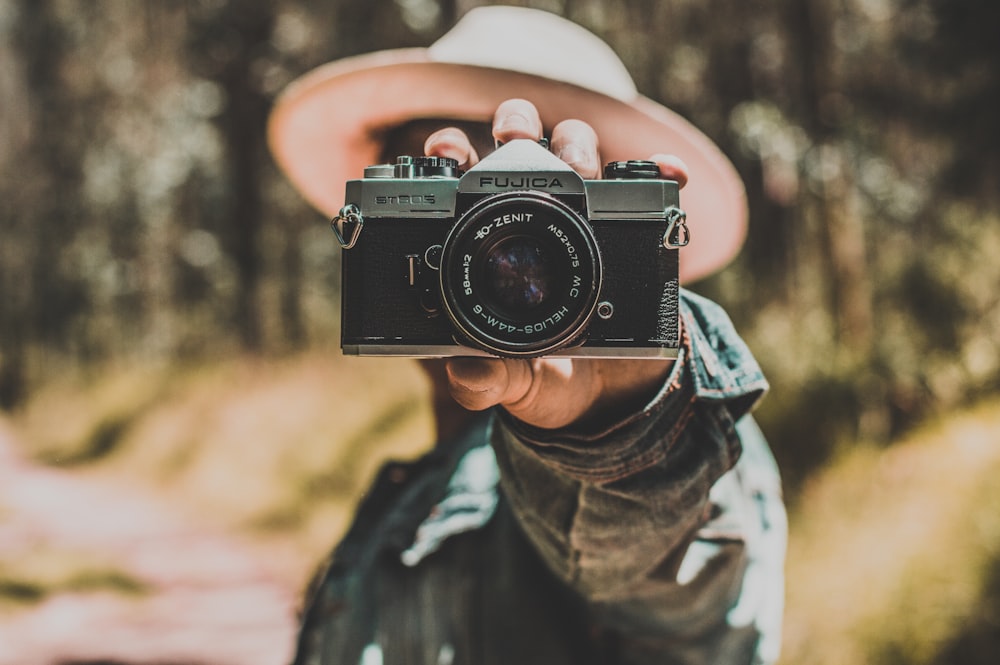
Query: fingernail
{"points": [[515, 122], [574, 155]]}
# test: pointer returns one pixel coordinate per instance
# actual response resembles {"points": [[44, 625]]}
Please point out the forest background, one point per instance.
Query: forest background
{"points": [[156, 268]]}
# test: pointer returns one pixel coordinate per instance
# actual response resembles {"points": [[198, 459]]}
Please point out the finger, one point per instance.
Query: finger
{"points": [[451, 142], [575, 142], [672, 167], [516, 119]]}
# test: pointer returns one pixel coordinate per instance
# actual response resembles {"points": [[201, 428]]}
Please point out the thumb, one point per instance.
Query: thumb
{"points": [[544, 392], [479, 383]]}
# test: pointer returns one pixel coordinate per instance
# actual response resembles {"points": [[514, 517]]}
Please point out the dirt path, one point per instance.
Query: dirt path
{"points": [[207, 598]]}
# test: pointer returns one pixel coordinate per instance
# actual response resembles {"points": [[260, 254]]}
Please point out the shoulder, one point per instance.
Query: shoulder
{"points": [[392, 517], [721, 364]]}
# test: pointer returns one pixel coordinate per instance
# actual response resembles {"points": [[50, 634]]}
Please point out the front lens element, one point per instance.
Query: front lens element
{"points": [[518, 275]]}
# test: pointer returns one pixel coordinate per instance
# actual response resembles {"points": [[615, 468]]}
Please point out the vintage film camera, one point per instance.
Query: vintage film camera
{"points": [[518, 257]]}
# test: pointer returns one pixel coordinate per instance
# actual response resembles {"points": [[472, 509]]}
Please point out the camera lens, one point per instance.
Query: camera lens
{"points": [[520, 274]]}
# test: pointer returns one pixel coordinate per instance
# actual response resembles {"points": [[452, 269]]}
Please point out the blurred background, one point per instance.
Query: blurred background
{"points": [[181, 441]]}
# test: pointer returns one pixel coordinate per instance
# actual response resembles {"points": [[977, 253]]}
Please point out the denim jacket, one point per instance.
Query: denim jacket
{"points": [[658, 540]]}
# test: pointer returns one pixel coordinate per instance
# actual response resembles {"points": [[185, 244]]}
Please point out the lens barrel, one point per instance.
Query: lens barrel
{"points": [[520, 274]]}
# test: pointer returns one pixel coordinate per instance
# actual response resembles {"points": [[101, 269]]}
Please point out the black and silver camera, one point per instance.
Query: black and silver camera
{"points": [[517, 257]]}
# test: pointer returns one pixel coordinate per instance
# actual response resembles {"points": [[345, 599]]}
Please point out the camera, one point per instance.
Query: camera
{"points": [[517, 257]]}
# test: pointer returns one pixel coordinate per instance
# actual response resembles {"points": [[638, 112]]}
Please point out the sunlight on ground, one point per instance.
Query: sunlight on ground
{"points": [[889, 548], [278, 450]]}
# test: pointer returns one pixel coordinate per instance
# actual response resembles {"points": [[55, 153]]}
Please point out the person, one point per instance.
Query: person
{"points": [[573, 510]]}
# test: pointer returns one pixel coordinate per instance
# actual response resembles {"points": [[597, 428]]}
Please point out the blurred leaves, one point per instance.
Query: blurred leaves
{"points": [[147, 240], [144, 222]]}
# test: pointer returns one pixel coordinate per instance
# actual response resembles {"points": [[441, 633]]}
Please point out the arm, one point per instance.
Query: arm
{"points": [[612, 510], [608, 464]]}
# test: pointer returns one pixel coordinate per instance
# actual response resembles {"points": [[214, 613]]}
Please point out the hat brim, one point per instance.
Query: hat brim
{"points": [[327, 126]]}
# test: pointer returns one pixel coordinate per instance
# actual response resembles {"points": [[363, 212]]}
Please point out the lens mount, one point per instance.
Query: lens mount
{"points": [[520, 274]]}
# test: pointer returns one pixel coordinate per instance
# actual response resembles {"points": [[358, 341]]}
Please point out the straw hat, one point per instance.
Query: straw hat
{"points": [[326, 126]]}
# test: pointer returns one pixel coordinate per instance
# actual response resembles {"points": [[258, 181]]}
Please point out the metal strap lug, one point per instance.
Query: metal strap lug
{"points": [[677, 234], [347, 225]]}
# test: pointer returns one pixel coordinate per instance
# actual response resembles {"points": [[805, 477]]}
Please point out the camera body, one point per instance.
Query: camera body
{"points": [[518, 257]]}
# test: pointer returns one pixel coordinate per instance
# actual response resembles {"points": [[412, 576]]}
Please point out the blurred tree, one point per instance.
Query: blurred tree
{"points": [[225, 43], [144, 219], [37, 298]]}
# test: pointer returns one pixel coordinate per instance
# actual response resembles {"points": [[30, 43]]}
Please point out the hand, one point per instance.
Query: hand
{"points": [[551, 392]]}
